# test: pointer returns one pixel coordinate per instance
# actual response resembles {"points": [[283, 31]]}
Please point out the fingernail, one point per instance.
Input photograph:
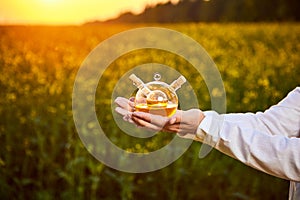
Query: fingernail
{"points": [[131, 99]]}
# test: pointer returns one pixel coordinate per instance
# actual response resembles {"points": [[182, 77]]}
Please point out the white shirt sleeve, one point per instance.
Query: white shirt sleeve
{"points": [[268, 141]]}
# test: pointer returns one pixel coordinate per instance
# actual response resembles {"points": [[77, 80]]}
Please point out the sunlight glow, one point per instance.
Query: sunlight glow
{"points": [[50, 1], [68, 11]]}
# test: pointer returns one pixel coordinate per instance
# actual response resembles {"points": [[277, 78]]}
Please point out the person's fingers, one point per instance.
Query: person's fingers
{"points": [[174, 128], [131, 102], [128, 118], [142, 115], [121, 102], [121, 111], [176, 118], [125, 113], [144, 124], [157, 120], [185, 128], [172, 120], [125, 103]]}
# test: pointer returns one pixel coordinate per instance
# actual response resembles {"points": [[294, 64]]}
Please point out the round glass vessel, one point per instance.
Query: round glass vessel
{"points": [[157, 97]]}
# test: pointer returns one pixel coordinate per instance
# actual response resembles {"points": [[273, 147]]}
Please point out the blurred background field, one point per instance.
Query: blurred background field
{"points": [[42, 157]]}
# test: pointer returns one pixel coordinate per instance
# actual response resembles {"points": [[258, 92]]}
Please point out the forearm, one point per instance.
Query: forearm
{"points": [[280, 119], [277, 155]]}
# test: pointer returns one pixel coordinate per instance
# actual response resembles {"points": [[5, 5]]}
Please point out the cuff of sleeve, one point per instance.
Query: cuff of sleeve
{"points": [[209, 129]]}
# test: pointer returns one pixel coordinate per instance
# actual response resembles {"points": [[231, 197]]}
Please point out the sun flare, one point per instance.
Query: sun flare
{"points": [[67, 11]]}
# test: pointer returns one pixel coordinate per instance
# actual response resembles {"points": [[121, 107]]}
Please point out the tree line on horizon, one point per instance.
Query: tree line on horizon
{"points": [[215, 11]]}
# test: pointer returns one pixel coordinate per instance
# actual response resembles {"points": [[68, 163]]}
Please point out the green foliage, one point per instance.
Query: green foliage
{"points": [[42, 157]]}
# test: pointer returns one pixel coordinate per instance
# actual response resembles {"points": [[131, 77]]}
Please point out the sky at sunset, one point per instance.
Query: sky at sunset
{"points": [[67, 12]]}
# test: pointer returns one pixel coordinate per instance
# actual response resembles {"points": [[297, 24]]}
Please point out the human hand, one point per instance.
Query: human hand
{"points": [[182, 122]]}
